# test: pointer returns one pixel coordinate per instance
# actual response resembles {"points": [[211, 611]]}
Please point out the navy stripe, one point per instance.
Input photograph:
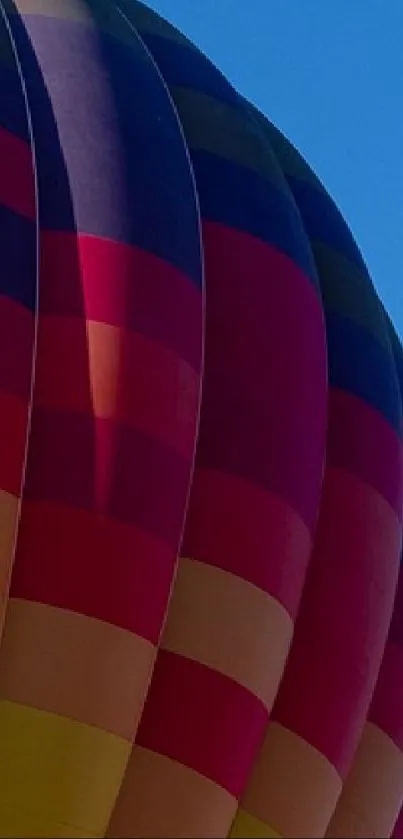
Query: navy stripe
{"points": [[18, 258], [397, 350], [183, 66], [237, 197], [12, 107], [323, 221], [359, 365], [112, 161]]}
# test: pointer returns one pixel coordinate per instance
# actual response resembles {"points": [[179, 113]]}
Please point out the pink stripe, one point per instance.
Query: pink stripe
{"points": [[110, 282], [264, 392], [361, 441], [139, 382], [343, 622], [247, 531], [203, 720], [17, 186], [91, 564], [387, 705]]}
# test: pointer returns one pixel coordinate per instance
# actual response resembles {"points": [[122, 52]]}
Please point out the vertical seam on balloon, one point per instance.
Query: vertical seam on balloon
{"points": [[152, 60], [20, 72]]}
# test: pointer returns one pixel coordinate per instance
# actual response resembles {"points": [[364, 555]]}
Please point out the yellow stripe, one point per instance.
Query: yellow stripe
{"points": [[67, 774], [246, 826], [15, 824]]}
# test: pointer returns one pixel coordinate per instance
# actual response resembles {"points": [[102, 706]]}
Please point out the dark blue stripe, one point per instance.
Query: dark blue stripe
{"points": [[237, 197], [132, 183], [359, 365], [182, 66], [323, 221], [12, 107], [397, 350], [18, 258]]}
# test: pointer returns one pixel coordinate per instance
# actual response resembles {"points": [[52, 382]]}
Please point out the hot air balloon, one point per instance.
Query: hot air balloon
{"points": [[201, 488]]}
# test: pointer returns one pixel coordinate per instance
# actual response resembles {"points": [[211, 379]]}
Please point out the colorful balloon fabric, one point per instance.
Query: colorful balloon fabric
{"points": [[201, 477]]}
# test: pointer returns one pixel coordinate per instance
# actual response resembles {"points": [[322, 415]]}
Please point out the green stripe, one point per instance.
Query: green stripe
{"points": [[292, 163], [345, 291], [213, 126], [150, 23]]}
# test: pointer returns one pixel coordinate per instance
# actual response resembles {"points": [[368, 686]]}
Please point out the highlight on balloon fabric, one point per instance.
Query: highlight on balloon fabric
{"points": [[201, 470]]}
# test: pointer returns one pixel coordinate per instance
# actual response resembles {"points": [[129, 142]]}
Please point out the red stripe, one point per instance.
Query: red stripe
{"points": [[343, 622], [361, 441], [118, 374], [92, 464], [110, 282], [247, 531], [17, 336], [203, 720], [387, 705], [13, 431], [17, 185], [264, 391], [88, 563]]}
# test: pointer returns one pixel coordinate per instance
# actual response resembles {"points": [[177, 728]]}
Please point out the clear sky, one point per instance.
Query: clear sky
{"points": [[329, 73]]}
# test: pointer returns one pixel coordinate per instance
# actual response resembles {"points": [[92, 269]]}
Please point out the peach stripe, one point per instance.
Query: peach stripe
{"points": [[372, 794], [228, 624], [293, 787], [149, 806], [74, 666]]}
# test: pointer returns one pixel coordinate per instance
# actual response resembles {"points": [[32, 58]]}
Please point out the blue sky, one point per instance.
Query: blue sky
{"points": [[329, 74]]}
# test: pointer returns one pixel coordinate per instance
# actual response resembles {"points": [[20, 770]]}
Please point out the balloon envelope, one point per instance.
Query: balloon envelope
{"points": [[201, 474]]}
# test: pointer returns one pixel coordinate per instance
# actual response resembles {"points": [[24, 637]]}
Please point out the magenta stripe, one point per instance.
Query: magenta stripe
{"points": [[396, 628], [264, 393], [362, 442], [17, 326], [387, 705]]}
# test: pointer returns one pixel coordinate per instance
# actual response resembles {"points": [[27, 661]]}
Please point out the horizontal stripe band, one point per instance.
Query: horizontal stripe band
{"points": [[202, 719], [92, 564]]}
